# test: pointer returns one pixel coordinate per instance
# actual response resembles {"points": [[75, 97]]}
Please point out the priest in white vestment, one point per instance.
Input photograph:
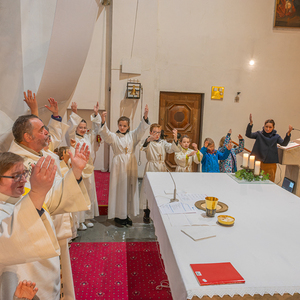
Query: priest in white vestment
{"points": [[30, 139]]}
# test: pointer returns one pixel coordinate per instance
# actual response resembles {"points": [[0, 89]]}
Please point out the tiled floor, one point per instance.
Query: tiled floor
{"points": [[105, 230]]}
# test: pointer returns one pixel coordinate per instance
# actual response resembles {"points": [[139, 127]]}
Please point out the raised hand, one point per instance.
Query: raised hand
{"points": [[41, 180], [174, 131], [80, 159], [103, 116], [250, 119], [96, 108], [194, 145], [146, 112], [26, 289], [240, 137], [206, 144], [290, 129], [53, 107], [74, 107], [230, 131], [31, 102]]}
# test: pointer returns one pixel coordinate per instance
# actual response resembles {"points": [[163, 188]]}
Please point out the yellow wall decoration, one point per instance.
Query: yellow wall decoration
{"points": [[217, 92]]}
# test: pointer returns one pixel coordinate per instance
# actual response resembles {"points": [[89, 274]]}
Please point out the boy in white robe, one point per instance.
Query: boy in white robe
{"points": [[123, 186], [78, 132], [156, 150], [27, 235], [186, 156], [30, 138]]}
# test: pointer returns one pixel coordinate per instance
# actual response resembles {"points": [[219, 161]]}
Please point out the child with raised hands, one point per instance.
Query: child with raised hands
{"points": [[186, 156], [123, 186], [211, 157], [229, 165]]}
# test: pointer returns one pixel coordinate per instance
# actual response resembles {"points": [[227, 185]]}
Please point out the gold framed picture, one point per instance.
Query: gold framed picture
{"points": [[287, 13]]}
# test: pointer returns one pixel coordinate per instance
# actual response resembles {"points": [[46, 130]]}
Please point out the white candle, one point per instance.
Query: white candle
{"points": [[251, 162], [245, 160], [257, 168]]}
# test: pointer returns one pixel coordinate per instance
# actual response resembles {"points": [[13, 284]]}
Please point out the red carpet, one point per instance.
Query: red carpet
{"points": [[119, 271], [102, 190]]}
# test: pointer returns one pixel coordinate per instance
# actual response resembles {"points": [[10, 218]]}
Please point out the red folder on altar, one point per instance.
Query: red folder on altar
{"points": [[216, 273]]}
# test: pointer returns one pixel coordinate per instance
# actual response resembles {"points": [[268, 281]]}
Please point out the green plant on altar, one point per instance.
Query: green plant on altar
{"points": [[249, 176]]}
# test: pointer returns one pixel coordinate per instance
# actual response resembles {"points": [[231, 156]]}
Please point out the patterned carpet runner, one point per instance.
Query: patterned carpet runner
{"points": [[102, 190], [118, 271]]}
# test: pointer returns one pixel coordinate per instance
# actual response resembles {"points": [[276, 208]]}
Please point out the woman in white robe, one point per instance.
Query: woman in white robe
{"points": [[28, 243], [123, 186], [78, 132], [186, 156]]}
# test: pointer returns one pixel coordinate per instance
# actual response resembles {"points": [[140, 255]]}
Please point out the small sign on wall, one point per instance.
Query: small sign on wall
{"points": [[217, 92], [133, 90]]}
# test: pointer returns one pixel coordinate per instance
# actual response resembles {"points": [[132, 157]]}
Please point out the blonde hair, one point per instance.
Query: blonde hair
{"points": [[222, 140], [210, 141]]}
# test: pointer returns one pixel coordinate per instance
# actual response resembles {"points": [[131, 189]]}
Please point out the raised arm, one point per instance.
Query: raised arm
{"points": [[286, 140], [249, 133], [73, 122], [30, 100]]}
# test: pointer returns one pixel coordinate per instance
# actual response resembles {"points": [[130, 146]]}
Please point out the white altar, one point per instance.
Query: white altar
{"points": [[263, 245]]}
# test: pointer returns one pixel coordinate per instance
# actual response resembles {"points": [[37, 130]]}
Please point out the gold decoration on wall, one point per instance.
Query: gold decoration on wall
{"points": [[217, 92]]}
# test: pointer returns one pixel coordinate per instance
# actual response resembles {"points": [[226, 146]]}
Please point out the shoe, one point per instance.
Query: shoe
{"points": [[88, 224], [146, 217], [121, 221], [82, 227], [129, 221]]}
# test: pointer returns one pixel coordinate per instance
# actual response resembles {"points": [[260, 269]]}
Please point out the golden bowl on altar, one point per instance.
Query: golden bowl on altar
{"points": [[226, 220]]}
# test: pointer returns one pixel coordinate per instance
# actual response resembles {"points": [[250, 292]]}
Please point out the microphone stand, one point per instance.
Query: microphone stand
{"points": [[174, 199]]}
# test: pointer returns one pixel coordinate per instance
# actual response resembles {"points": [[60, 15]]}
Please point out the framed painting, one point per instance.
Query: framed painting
{"points": [[287, 13]]}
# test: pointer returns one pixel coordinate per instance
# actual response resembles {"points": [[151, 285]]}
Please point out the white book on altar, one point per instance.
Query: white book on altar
{"points": [[200, 232]]}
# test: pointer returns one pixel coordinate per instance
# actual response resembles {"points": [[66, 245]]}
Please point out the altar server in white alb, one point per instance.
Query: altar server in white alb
{"points": [[66, 195], [29, 247], [186, 156], [78, 132], [156, 149], [123, 186]]}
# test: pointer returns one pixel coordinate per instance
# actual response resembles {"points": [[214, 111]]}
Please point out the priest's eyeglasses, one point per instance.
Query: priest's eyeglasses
{"points": [[18, 177]]}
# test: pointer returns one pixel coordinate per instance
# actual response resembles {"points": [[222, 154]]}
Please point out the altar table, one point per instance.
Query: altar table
{"points": [[263, 245]]}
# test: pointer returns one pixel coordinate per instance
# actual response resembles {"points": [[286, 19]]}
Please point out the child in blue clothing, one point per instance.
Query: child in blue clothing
{"points": [[211, 157], [229, 164]]}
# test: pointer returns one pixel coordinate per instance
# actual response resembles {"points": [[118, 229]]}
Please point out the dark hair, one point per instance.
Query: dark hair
{"points": [[61, 151], [210, 141], [123, 118], [184, 136], [83, 121], [8, 160], [270, 121], [21, 126]]}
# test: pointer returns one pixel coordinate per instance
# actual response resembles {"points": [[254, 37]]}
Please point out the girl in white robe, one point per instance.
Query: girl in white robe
{"points": [[78, 132], [186, 156], [156, 150], [123, 185]]}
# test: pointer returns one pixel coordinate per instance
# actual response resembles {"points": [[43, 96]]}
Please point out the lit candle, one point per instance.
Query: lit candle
{"points": [[257, 168], [251, 162], [245, 160]]}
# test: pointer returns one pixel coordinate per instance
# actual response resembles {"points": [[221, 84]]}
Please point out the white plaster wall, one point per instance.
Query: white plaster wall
{"points": [[191, 45]]}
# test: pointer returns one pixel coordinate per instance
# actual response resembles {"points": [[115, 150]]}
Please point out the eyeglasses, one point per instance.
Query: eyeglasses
{"points": [[18, 177]]}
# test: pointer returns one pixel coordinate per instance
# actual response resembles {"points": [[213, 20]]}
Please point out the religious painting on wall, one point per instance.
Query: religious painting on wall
{"points": [[287, 13]]}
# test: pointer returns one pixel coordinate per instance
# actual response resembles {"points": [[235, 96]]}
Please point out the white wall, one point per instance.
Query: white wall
{"points": [[192, 45]]}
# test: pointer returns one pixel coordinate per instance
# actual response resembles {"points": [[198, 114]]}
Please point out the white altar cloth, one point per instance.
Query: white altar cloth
{"points": [[263, 245]]}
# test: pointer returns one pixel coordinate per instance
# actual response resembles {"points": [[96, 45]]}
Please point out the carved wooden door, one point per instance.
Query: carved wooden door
{"points": [[181, 111]]}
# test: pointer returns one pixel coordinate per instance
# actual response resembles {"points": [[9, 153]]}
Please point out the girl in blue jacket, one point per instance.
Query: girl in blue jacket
{"points": [[211, 157], [265, 146]]}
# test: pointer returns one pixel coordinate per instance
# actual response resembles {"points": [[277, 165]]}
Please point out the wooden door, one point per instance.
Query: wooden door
{"points": [[181, 111]]}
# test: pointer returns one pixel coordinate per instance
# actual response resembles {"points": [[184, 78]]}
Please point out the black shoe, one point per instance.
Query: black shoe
{"points": [[146, 217], [129, 221], [121, 221]]}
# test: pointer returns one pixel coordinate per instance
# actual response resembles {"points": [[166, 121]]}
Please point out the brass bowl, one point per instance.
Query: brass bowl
{"points": [[226, 220]]}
